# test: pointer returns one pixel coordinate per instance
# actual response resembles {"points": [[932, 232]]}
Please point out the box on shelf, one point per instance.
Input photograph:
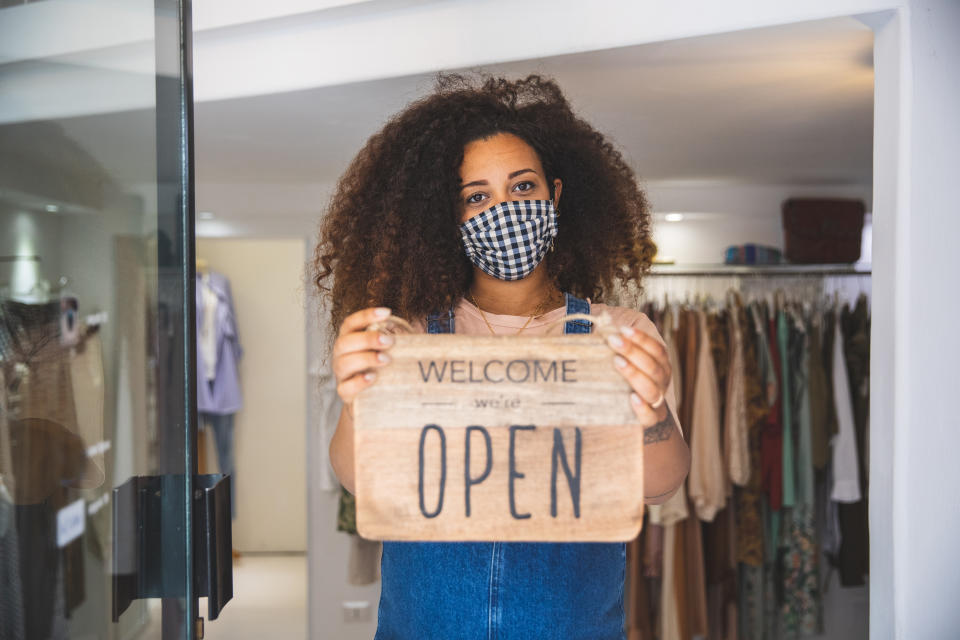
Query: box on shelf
{"points": [[822, 230]]}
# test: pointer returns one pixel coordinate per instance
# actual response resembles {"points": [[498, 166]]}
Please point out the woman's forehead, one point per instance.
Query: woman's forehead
{"points": [[500, 153]]}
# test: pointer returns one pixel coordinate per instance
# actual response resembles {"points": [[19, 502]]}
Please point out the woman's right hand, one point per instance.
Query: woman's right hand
{"points": [[358, 353]]}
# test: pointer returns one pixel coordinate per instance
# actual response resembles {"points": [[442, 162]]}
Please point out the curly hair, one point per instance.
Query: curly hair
{"points": [[390, 236]]}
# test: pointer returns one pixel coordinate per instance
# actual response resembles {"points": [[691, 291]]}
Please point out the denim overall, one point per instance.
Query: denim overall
{"points": [[502, 590]]}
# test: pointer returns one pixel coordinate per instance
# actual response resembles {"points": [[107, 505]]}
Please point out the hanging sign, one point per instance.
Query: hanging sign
{"points": [[498, 438]]}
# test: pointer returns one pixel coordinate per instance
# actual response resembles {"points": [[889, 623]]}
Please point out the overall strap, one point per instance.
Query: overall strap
{"points": [[440, 322], [443, 322], [576, 305]]}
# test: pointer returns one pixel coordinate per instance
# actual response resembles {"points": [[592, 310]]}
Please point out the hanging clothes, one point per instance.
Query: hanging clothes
{"points": [[773, 464], [748, 499], [11, 586], [753, 565], [854, 557], [772, 442], [674, 510], [669, 336], [717, 323], [846, 465], [736, 452], [45, 460], [220, 393], [800, 611], [638, 617], [719, 534], [819, 397], [707, 482], [690, 582], [749, 526], [786, 385]]}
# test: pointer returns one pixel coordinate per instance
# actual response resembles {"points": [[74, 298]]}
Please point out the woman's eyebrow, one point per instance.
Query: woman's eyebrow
{"points": [[514, 174], [475, 183]]}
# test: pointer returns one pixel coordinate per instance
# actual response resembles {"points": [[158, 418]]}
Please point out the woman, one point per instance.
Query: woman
{"points": [[493, 209]]}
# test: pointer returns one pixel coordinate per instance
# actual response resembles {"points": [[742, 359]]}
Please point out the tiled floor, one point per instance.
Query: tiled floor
{"points": [[269, 601]]}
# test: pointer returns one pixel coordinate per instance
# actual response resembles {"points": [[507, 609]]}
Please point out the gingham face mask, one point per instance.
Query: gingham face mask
{"points": [[508, 240]]}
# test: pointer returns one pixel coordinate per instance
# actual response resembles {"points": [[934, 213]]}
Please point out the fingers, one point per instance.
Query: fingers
{"points": [[648, 390], [348, 388], [644, 363], [646, 354], [360, 320], [357, 353], [351, 364], [361, 341], [647, 415]]}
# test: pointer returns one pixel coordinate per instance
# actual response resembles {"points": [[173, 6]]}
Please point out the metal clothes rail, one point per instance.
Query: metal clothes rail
{"points": [[724, 270]]}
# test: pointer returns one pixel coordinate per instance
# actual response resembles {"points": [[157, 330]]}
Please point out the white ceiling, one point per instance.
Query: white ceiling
{"points": [[787, 105]]}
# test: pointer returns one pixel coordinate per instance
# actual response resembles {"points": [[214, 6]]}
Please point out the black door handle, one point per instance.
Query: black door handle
{"points": [[140, 533]]}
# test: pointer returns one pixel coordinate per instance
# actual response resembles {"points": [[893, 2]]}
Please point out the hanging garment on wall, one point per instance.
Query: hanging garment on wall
{"points": [[207, 334], [222, 393]]}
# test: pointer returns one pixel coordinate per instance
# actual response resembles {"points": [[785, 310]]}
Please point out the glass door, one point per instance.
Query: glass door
{"points": [[105, 529]]}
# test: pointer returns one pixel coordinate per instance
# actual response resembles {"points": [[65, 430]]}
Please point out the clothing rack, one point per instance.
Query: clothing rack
{"points": [[728, 270], [808, 281]]}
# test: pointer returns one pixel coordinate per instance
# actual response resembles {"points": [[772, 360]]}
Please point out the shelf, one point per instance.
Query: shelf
{"points": [[759, 270]]}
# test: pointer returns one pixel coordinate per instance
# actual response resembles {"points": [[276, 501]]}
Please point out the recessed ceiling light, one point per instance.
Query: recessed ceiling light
{"points": [[673, 217], [52, 208], [205, 215]]}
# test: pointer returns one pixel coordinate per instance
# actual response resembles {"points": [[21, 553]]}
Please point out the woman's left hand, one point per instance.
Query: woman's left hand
{"points": [[644, 362]]}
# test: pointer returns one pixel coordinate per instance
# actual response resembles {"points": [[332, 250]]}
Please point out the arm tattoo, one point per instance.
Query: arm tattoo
{"points": [[661, 431]]}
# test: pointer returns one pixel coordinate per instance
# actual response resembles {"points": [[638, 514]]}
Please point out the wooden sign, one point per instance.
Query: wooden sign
{"points": [[498, 438]]}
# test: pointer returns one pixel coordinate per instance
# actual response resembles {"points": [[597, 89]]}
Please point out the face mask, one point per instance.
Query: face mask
{"points": [[508, 240]]}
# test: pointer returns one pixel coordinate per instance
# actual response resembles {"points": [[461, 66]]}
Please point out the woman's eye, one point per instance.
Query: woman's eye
{"points": [[475, 198], [526, 185]]}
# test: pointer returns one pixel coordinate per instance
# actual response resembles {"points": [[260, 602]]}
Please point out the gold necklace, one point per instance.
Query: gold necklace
{"points": [[536, 312]]}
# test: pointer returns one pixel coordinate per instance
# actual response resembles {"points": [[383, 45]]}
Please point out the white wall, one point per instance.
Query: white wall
{"points": [[265, 276], [724, 214], [915, 430]]}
